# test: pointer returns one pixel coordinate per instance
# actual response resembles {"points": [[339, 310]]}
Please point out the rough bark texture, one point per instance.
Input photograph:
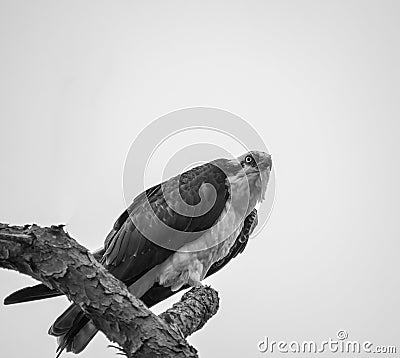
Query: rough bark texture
{"points": [[195, 308], [51, 256]]}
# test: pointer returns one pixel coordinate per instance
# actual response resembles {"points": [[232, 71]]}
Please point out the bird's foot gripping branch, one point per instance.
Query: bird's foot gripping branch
{"points": [[51, 256]]}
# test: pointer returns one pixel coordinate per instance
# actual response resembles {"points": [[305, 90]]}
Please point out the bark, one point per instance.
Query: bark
{"points": [[51, 256]]}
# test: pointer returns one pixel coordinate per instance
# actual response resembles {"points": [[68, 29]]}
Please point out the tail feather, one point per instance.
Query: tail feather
{"points": [[73, 330], [81, 338], [31, 293], [40, 291], [65, 321]]}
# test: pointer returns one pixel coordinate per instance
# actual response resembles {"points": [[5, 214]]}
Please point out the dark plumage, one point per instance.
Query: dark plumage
{"points": [[154, 228]]}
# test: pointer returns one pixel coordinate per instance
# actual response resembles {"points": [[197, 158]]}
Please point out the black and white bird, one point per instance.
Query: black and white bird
{"points": [[171, 237]]}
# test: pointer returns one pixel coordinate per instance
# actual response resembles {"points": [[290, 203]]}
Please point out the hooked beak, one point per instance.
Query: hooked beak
{"points": [[265, 163]]}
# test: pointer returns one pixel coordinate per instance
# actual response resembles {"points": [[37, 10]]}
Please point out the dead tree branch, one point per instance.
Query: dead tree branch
{"points": [[51, 256]]}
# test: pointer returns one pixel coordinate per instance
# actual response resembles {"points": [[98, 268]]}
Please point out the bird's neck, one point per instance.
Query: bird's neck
{"points": [[244, 193]]}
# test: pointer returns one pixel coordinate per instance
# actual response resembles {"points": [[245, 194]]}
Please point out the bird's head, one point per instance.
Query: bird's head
{"points": [[255, 164], [251, 170]]}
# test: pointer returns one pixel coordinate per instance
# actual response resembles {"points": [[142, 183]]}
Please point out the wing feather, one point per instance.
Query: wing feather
{"points": [[129, 253], [159, 293]]}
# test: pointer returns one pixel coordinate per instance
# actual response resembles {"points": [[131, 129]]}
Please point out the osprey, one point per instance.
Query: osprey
{"points": [[171, 237]]}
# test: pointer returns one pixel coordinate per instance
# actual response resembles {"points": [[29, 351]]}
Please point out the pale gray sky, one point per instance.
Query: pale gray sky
{"points": [[319, 80]]}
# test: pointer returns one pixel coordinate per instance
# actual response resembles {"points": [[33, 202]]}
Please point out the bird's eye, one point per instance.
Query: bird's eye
{"points": [[249, 159]]}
